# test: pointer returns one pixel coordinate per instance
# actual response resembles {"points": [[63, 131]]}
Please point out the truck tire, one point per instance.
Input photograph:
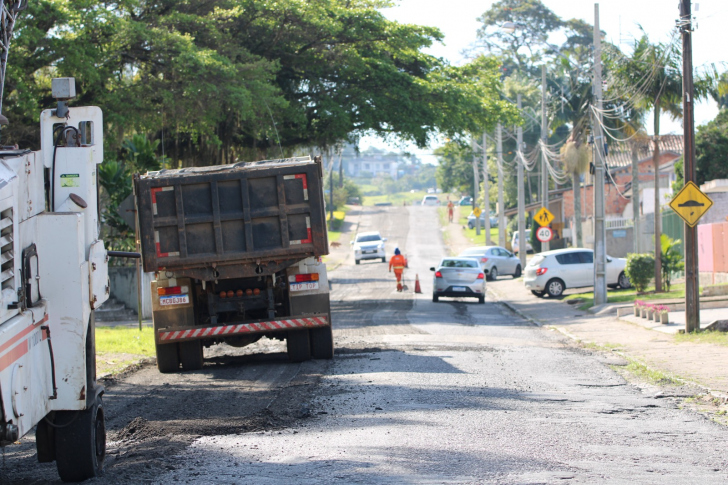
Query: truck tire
{"points": [[322, 342], [298, 345], [167, 358], [190, 355], [81, 443]]}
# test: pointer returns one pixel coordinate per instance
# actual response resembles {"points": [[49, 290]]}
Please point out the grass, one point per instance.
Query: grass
{"points": [[125, 340], [335, 231], [399, 198], [644, 373], [471, 234], [629, 295], [718, 338]]}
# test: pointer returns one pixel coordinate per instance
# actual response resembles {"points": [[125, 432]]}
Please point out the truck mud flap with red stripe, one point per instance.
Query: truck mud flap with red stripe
{"points": [[196, 333]]}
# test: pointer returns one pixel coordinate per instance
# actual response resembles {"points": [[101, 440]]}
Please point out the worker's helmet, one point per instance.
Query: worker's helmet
{"points": [[396, 251]]}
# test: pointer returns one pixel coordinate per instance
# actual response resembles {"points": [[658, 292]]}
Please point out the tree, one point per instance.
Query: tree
{"points": [[711, 146], [652, 76]]}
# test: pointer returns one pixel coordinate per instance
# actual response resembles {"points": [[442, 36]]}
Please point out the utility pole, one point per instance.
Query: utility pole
{"points": [[636, 230], [521, 197], [486, 194], [476, 184], [600, 236], [545, 246], [692, 298], [501, 203]]}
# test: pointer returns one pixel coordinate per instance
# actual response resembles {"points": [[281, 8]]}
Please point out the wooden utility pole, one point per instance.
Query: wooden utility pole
{"points": [[600, 236], [692, 298]]}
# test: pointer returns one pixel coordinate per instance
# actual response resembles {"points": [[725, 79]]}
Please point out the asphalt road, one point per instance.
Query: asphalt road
{"points": [[419, 392]]}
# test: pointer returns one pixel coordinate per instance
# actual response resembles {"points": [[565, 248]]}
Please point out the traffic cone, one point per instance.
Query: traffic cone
{"points": [[417, 284]]}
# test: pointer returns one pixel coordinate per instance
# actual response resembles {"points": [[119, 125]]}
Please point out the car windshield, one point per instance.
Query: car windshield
{"points": [[458, 263], [369, 238], [536, 260]]}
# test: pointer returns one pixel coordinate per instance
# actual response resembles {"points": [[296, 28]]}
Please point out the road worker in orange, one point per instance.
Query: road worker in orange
{"points": [[398, 262]]}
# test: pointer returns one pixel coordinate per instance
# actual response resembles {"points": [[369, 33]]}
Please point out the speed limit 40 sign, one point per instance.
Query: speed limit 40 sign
{"points": [[544, 234]]}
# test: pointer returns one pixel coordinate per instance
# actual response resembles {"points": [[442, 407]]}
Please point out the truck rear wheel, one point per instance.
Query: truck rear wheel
{"points": [[81, 443], [167, 358], [322, 343], [190, 354], [298, 345]]}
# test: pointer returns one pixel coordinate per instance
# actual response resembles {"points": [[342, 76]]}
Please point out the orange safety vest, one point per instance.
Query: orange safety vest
{"points": [[398, 262]]}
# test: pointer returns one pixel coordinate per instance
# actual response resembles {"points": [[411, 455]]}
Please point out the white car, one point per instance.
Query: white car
{"points": [[369, 245], [552, 272], [494, 261], [430, 200], [458, 277], [514, 242]]}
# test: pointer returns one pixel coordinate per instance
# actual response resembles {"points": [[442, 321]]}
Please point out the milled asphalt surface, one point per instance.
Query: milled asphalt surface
{"points": [[457, 392]]}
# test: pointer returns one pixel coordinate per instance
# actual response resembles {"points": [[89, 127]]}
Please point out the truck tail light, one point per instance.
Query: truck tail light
{"points": [[302, 278], [438, 274], [481, 276], [483, 260], [171, 290], [541, 271]]}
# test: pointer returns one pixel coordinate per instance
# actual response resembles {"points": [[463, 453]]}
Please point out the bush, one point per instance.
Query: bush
{"points": [[640, 269]]}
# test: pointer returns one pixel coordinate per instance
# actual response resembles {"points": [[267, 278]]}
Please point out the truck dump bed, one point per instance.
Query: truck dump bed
{"points": [[231, 220]]}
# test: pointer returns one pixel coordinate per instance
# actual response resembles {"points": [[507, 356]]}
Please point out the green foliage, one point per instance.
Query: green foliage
{"points": [[535, 243], [341, 194], [672, 258], [640, 269], [711, 146], [455, 167]]}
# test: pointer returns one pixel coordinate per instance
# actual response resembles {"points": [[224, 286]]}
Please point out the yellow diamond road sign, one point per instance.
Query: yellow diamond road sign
{"points": [[544, 217], [476, 211], [690, 204]]}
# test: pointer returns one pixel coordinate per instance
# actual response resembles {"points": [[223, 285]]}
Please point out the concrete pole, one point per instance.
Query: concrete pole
{"points": [[476, 184], [521, 198], [692, 298], [501, 203], [637, 230], [600, 236], [486, 194], [545, 246]]}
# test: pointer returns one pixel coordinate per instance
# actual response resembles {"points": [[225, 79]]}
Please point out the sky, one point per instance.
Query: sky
{"points": [[620, 19]]}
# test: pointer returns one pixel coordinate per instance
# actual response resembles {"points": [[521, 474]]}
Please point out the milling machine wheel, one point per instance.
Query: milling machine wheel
{"points": [[81, 443]]}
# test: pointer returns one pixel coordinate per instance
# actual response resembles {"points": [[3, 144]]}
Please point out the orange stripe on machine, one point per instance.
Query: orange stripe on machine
{"points": [[227, 330]]}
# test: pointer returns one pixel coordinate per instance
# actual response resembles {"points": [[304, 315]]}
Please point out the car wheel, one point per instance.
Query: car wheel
{"points": [[481, 299], [384, 260], [493, 273], [435, 298], [517, 274], [537, 293], [555, 288], [624, 281], [357, 261]]}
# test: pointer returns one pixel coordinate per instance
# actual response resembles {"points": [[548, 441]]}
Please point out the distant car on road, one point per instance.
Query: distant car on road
{"points": [[369, 245], [514, 242], [458, 277], [552, 272], [430, 200], [471, 220], [465, 200], [495, 261]]}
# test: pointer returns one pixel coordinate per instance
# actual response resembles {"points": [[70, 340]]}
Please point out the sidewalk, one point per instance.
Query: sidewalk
{"points": [[702, 363], [339, 253]]}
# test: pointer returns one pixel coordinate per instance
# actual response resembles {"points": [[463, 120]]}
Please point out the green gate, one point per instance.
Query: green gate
{"points": [[674, 227]]}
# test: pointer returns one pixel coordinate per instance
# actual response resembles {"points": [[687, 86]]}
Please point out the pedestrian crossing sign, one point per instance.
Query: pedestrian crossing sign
{"points": [[543, 217], [691, 204]]}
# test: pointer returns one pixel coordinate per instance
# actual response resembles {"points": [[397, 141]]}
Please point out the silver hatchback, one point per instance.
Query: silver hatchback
{"points": [[458, 277]]}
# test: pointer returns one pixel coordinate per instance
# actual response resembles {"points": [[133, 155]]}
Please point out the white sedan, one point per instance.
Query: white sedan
{"points": [[552, 272]]}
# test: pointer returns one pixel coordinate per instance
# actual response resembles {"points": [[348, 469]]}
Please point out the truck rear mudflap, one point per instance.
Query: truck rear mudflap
{"points": [[179, 334]]}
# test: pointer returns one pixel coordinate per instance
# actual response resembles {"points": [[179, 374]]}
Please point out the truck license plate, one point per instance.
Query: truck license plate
{"points": [[174, 300], [458, 288], [304, 286]]}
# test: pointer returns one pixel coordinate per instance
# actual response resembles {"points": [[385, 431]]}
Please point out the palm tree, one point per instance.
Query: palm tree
{"points": [[651, 78]]}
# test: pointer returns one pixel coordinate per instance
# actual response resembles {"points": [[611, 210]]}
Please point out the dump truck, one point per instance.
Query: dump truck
{"points": [[236, 253]]}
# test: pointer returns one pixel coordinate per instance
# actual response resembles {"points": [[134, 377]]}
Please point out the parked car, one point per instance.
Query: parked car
{"points": [[471, 220], [494, 261], [465, 200], [514, 242], [552, 272], [369, 245], [430, 200], [458, 277]]}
